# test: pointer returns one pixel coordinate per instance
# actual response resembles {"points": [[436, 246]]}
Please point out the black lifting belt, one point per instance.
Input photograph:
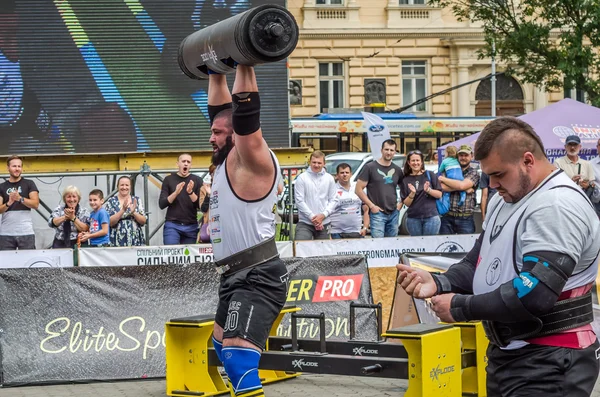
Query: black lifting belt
{"points": [[566, 314], [250, 257]]}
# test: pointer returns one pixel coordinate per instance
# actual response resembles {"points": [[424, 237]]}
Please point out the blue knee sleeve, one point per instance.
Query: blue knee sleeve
{"points": [[241, 365], [218, 347]]}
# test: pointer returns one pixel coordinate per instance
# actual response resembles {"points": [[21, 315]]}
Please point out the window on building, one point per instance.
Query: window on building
{"points": [[412, 2], [330, 2], [575, 93], [414, 84], [331, 85]]}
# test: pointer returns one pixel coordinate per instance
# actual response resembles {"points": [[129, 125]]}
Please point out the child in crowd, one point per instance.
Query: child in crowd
{"points": [[453, 170], [98, 235]]}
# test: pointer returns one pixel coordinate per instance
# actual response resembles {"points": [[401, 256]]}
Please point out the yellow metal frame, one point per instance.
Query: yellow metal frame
{"points": [[131, 162], [187, 360], [186, 352], [434, 362], [473, 338], [267, 375]]}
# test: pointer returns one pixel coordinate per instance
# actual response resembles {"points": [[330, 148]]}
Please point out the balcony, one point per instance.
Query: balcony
{"points": [[413, 16], [334, 16]]}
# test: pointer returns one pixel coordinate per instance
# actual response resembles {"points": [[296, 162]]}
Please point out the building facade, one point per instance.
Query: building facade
{"points": [[355, 52]]}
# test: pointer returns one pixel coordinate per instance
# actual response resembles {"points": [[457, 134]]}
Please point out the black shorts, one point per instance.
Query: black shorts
{"points": [[537, 370], [250, 301]]}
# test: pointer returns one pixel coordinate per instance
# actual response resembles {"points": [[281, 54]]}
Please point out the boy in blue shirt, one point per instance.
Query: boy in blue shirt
{"points": [[453, 170], [98, 235]]}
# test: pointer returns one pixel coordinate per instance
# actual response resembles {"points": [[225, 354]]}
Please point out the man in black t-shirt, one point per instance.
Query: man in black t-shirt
{"points": [[180, 195], [17, 197], [381, 178]]}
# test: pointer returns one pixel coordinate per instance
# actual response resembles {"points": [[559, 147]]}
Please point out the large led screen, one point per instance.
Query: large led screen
{"points": [[94, 76]]}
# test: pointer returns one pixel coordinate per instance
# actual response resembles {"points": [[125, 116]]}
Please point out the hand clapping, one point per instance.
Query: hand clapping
{"points": [[179, 188], [190, 187], [133, 206], [70, 213]]}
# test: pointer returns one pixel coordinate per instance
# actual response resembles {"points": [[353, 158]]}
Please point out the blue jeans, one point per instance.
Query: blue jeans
{"points": [[384, 225], [175, 233], [457, 225], [423, 227]]}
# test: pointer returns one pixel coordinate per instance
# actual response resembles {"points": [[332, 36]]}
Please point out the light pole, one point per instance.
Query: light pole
{"points": [[493, 80]]}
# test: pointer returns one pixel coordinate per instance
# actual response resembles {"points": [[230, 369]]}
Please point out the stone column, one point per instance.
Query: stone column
{"points": [[540, 98], [464, 103], [454, 93]]}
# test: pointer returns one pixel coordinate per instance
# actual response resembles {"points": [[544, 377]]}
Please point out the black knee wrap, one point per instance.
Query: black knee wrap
{"points": [[246, 113]]}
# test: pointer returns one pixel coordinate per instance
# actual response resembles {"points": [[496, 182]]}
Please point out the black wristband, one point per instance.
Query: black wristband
{"points": [[442, 283], [459, 308]]}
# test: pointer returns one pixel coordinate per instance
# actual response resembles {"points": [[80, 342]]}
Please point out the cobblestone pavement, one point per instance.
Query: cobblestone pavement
{"points": [[305, 385]]}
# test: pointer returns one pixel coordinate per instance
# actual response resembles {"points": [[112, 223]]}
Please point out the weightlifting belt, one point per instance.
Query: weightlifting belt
{"points": [[250, 257], [566, 314]]}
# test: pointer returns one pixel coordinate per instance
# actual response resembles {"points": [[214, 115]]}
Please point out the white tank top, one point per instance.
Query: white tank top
{"points": [[501, 255], [235, 224]]}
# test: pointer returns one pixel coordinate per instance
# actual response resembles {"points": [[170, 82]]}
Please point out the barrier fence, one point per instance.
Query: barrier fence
{"points": [[104, 319], [105, 323]]}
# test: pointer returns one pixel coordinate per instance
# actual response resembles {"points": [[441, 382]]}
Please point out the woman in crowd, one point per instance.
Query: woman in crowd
{"points": [[69, 219], [126, 216], [419, 191], [434, 157], [203, 236]]}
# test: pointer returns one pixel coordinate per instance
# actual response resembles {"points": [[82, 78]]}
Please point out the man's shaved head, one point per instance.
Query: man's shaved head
{"points": [[511, 138]]}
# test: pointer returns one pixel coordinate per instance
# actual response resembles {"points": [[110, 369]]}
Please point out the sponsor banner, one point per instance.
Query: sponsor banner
{"points": [[385, 252], [36, 258], [328, 284], [302, 126], [107, 323], [377, 132], [159, 255], [382, 256], [585, 153]]}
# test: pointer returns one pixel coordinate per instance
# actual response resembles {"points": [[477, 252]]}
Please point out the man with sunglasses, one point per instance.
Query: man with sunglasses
{"points": [[578, 169]]}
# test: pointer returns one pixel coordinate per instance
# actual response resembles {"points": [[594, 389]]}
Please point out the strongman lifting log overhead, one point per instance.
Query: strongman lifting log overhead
{"points": [[244, 189]]}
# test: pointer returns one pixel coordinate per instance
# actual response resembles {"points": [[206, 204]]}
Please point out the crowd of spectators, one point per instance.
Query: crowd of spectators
{"points": [[328, 207]]}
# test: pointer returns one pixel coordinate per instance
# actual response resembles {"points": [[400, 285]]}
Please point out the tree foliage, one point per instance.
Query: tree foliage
{"points": [[550, 43]]}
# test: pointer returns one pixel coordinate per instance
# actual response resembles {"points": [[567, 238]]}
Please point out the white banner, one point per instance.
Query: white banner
{"points": [[377, 132], [385, 252], [158, 255], [36, 258]]}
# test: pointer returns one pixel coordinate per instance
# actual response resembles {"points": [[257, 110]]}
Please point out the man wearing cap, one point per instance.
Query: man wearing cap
{"points": [[579, 170], [459, 220]]}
